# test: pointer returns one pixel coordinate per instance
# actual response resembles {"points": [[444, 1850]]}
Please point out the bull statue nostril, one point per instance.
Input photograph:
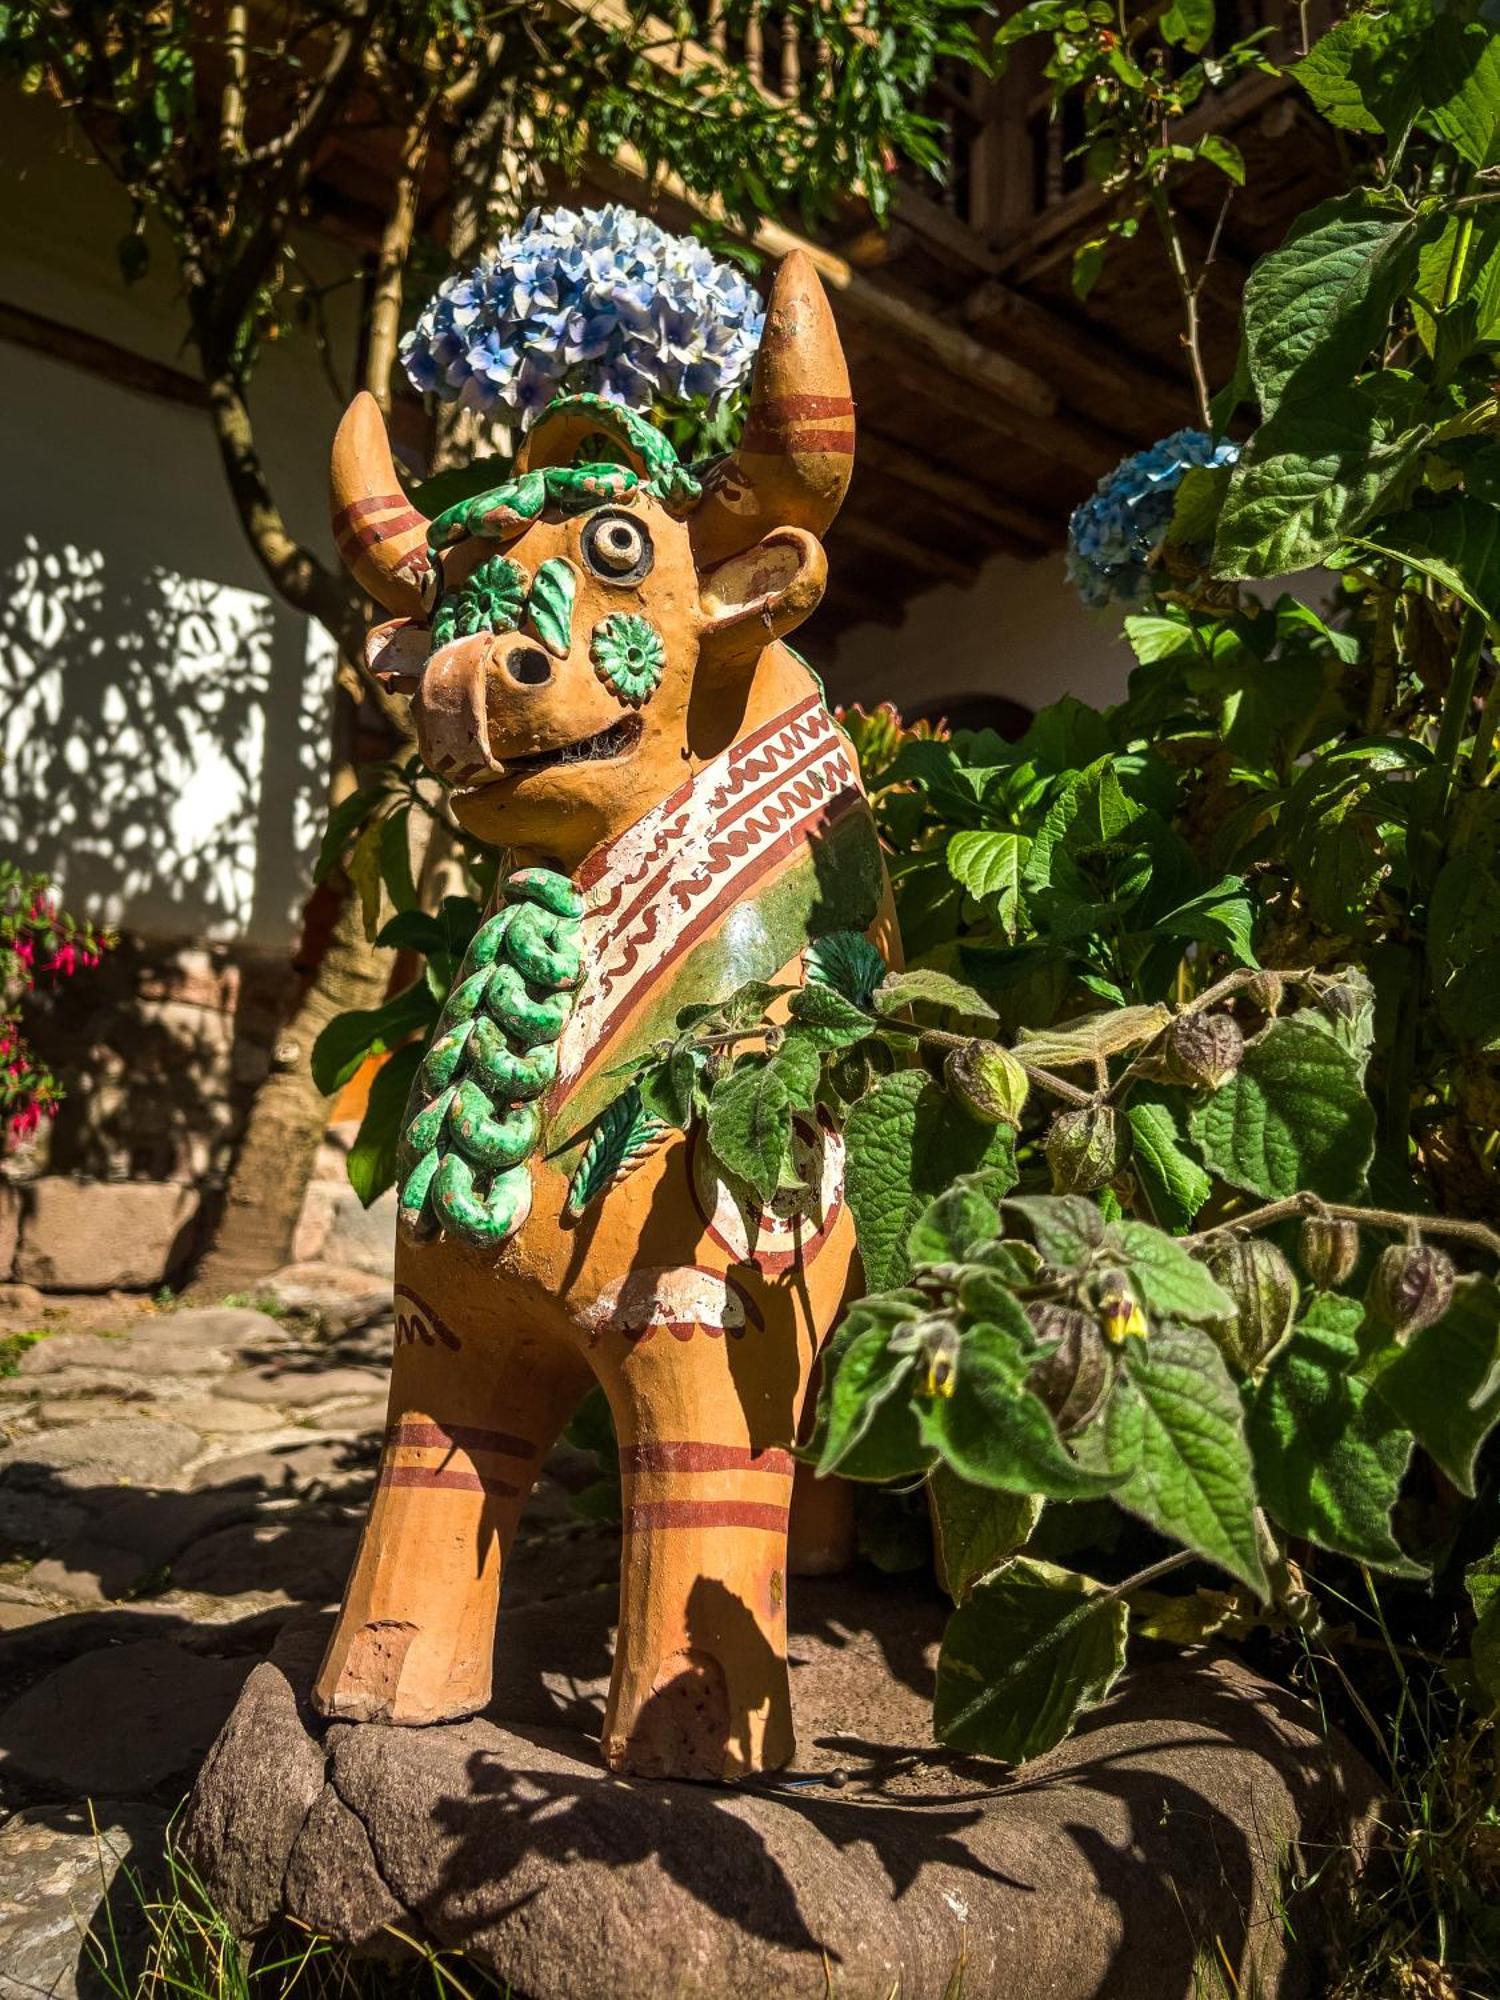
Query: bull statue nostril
{"points": [[529, 665]]}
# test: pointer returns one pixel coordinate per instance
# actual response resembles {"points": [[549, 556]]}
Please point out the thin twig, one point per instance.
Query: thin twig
{"points": [[1378, 1218]]}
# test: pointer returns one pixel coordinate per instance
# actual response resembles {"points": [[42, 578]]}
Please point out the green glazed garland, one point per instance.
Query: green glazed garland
{"points": [[465, 1153]]}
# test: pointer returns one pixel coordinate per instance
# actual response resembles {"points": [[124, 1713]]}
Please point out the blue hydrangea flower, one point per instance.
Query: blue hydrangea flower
{"points": [[599, 301], [1111, 536]]}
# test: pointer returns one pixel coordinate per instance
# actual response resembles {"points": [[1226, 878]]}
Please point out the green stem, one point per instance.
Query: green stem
{"points": [[1457, 706]]}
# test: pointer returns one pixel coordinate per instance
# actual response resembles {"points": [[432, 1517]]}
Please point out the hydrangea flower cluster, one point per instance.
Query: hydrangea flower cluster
{"points": [[1111, 536], [601, 302]]}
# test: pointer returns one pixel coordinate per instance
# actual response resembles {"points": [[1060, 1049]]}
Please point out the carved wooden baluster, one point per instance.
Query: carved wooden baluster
{"points": [[755, 53], [791, 58], [718, 32]]}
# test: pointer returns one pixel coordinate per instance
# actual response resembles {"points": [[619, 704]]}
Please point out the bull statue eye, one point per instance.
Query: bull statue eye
{"points": [[617, 548]]}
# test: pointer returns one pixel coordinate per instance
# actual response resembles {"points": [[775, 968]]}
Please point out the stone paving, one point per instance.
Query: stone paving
{"points": [[177, 1488]]}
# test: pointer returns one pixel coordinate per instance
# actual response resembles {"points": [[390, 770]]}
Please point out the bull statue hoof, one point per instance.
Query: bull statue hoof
{"points": [[593, 650]]}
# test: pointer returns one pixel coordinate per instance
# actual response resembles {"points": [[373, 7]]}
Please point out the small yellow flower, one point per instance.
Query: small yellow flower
{"points": [[1121, 1317]]}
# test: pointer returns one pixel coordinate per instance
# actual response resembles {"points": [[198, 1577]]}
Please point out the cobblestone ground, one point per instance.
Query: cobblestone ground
{"points": [[176, 1486]]}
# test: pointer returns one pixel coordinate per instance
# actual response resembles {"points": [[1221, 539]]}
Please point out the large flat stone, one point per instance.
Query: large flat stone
{"points": [[55, 1869], [122, 1451], [157, 1349], [134, 1538], [97, 1236], [118, 1722], [1124, 1864]]}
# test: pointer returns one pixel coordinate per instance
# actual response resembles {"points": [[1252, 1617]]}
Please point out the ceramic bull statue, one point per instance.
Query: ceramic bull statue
{"points": [[594, 655]]}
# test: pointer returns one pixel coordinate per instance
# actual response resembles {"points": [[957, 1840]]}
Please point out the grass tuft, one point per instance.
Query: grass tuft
{"points": [[171, 1942]]}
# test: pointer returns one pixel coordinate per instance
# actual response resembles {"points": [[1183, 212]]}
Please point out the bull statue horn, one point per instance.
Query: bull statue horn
{"points": [[380, 535], [796, 455]]}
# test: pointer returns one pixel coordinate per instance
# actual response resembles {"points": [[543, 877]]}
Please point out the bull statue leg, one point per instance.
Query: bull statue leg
{"points": [[700, 1679], [474, 1409]]}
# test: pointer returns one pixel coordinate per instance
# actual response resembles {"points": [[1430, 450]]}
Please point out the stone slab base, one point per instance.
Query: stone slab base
{"points": [[1159, 1846]]}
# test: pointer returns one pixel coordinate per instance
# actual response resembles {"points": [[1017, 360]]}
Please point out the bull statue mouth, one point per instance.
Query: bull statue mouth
{"points": [[606, 746]]}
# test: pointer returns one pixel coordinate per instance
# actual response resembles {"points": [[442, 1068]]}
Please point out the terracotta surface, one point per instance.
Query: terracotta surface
{"points": [[715, 827]]}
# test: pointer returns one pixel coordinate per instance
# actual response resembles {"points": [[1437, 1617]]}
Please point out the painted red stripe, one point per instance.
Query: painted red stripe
{"points": [[646, 1516], [462, 1437], [779, 408], [375, 503], [773, 439], [375, 533], [821, 820], [668, 1455], [447, 1479]]}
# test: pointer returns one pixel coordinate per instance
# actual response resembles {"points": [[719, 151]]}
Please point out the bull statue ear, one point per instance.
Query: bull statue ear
{"points": [[396, 653], [759, 596]]}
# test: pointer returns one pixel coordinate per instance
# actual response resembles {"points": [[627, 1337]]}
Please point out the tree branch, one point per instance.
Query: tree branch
{"points": [[395, 247]]}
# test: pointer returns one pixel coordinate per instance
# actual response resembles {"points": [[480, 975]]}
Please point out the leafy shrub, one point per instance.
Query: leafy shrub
{"points": [[38, 941]]}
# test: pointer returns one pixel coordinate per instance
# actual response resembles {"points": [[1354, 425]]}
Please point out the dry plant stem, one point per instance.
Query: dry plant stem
{"points": [[1188, 290], [1378, 1218]]}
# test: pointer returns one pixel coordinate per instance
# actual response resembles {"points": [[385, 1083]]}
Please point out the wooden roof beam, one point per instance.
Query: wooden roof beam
{"points": [[884, 541], [1014, 529], [1103, 373]]}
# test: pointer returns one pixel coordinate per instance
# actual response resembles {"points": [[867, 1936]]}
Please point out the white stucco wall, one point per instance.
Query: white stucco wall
{"points": [[163, 718], [1019, 631]]}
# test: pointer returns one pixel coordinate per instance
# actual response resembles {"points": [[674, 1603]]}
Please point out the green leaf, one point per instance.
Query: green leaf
{"points": [[749, 1125], [847, 961], [1092, 1037], [348, 815], [1293, 1116], [1068, 1227], [991, 1429], [549, 608], [869, 1431], [395, 859], [1316, 306], [624, 1133], [1174, 1428], [1463, 946], [1329, 1458], [1175, 1185], [906, 1142], [1225, 155], [371, 1165], [989, 866], [1460, 86], [1444, 1385], [363, 867], [975, 1528], [1456, 543], [924, 987], [951, 1229], [1030, 1650], [1188, 24], [1170, 1283], [1223, 917], [824, 1013], [1351, 75], [350, 1038], [1310, 477]]}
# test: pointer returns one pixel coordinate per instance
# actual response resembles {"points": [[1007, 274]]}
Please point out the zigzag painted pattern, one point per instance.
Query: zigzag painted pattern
{"points": [[650, 888]]}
